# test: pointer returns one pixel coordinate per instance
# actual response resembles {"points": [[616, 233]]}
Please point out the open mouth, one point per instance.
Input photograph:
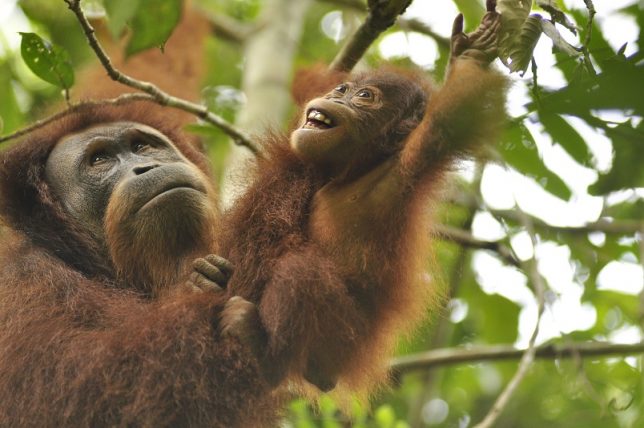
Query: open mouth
{"points": [[315, 119]]}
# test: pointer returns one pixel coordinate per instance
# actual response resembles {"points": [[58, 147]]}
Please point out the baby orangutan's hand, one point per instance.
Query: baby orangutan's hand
{"points": [[480, 45]]}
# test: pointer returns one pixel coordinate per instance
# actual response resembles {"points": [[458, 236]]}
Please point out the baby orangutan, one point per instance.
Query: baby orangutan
{"points": [[330, 241]]}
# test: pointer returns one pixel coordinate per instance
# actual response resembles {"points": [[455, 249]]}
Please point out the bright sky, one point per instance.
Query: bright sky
{"points": [[501, 188]]}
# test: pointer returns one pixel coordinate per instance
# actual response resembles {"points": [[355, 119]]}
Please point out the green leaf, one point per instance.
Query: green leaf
{"points": [[566, 136], [619, 303], [513, 17], [520, 151], [599, 46], [514, 13], [557, 14], [243, 10], [618, 374], [618, 87], [301, 415], [10, 115], [631, 209], [385, 416], [551, 31], [627, 171], [120, 12], [523, 46], [328, 410], [491, 317], [50, 63], [153, 24]]}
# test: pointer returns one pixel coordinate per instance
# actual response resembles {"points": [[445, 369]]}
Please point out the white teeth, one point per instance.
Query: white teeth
{"points": [[319, 116]]}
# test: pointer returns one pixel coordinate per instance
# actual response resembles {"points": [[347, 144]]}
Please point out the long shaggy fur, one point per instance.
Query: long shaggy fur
{"points": [[81, 345], [322, 314], [333, 300]]}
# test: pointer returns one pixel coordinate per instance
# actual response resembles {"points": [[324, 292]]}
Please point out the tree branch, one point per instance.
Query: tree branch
{"points": [[120, 100], [416, 25], [382, 15], [228, 28], [466, 239], [405, 24], [358, 5], [158, 95], [451, 356], [589, 31], [641, 296], [602, 225]]}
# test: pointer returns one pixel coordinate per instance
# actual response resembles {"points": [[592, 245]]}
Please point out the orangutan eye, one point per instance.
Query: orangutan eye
{"points": [[364, 93], [138, 146], [341, 88], [98, 158]]}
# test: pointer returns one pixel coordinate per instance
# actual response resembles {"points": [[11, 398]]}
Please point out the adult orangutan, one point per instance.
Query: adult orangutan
{"points": [[110, 297], [111, 306], [329, 242]]}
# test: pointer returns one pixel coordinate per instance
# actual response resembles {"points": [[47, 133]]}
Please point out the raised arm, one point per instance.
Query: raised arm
{"points": [[469, 109]]}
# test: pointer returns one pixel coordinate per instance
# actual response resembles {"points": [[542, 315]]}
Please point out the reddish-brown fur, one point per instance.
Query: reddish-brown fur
{"points": [[313, 81], [337, 267], [81, 345]]}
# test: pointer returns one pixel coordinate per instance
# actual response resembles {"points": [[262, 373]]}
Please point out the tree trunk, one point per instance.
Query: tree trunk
{"points": [[267, 69]]}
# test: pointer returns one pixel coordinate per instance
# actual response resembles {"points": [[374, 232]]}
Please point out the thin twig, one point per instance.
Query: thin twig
{"points": [[535, 81], [529, 355], [466, 239], [417, 26], [589, 31], [159, 96], [591, 17], [641, 296], [587, 384], [120, 100], [451, 356], [228, 28], [405, 24], [358, 5], [381, 16], [602, 225]]}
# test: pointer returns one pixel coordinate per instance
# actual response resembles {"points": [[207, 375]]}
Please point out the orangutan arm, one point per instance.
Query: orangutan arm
{"points": [[468, 110]]}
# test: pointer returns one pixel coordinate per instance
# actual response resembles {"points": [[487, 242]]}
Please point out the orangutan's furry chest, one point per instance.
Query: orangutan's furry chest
{"points": [[347, 219]]}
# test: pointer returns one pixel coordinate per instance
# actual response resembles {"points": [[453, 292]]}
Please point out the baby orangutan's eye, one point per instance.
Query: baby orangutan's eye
{"points": [[341, 88], [365, 93]]}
